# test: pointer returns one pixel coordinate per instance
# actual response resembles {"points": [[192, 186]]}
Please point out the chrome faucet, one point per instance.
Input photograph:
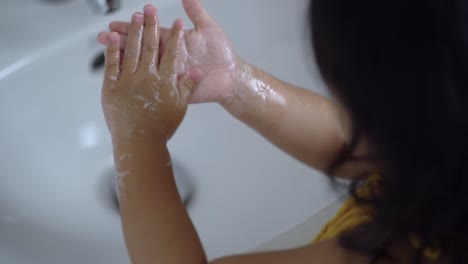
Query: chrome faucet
{"points": [[105, 6]]}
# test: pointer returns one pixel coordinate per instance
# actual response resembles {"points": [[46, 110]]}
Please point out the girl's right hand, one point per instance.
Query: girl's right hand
{"points": [[207, 48]]}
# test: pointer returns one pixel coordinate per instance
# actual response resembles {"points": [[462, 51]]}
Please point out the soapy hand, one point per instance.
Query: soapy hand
{"points": [[142, 97], [206, 47]]}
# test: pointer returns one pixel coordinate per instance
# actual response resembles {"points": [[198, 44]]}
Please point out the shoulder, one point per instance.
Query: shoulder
{"points": [[328, 251]]}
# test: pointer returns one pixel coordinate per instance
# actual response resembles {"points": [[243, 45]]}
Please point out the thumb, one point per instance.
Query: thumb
{"points": [[197, 13], [188, 82]]}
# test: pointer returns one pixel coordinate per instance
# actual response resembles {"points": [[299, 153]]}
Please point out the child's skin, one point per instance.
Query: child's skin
{"points": [[145, 99], [302, 123]]}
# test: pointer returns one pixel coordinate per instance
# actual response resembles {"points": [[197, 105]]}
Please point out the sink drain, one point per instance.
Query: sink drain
{"points": [[184, 183], [98, 62]]}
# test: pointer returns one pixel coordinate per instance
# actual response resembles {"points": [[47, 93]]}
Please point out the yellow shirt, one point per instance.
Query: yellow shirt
{"points": [[352, 215]]}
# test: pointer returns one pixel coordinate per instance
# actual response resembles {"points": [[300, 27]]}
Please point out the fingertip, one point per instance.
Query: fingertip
{"points": [[113, 38], [149, 10], [197, 13], [113, 26], [178, 24], [101, 38], [188, 4], [137, 17]]}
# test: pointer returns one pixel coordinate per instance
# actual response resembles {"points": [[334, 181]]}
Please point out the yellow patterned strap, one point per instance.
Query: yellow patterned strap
{"points": [[352, 215], [348, 218], [430, 253]]}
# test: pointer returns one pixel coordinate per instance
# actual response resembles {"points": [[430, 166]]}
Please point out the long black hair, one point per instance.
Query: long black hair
{"points": [[400, 68]]}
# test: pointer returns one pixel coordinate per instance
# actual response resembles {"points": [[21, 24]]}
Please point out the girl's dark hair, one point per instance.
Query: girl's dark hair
{"points": [[400, 68]]}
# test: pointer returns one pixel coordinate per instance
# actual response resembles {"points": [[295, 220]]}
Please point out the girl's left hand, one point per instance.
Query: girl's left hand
{"points": [[140, 98]]}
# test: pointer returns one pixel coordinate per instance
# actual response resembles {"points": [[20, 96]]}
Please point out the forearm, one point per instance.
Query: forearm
{"points": [[156, 225], [302, 123]]}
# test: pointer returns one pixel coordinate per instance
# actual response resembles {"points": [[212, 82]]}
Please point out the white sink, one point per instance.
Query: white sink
{"points": [[55, 203]]}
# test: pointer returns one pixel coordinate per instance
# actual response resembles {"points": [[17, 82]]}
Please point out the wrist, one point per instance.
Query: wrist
{"points": [[135, 145], [138, 136], [136, 163], [130, 156], [240, 76], [244, 91]]}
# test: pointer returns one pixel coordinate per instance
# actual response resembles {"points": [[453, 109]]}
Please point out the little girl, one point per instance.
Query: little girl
{"points": [[398, 128]]}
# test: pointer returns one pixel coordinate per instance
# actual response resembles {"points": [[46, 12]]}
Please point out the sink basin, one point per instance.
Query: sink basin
{"points": [[55, 203]]}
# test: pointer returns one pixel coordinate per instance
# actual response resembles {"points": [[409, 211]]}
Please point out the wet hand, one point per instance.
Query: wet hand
{"points": [[143, 97], [206, 47]]}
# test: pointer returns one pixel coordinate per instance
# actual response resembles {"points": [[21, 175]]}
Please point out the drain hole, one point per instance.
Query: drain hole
{"points": [[185, 186], [98, 62]]}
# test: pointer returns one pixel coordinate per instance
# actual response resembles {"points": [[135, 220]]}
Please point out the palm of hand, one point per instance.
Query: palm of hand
{"points": [[209, 50]]}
